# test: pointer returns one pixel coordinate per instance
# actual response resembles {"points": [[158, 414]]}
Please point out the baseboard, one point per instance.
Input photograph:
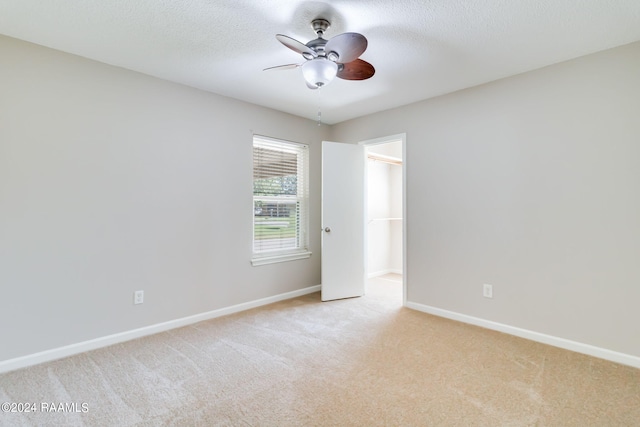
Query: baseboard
{"points": [[70, 350], [602, 353]]}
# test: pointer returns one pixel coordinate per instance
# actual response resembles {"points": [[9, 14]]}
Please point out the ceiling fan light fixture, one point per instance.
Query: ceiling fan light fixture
{"points": [[328, 59], [319, 71]]}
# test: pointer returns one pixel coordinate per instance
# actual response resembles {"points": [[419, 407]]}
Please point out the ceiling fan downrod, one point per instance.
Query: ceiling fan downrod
{"points": [[319, 27]]}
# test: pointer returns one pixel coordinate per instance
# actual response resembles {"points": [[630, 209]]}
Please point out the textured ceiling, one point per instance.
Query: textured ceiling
{"points": [[420, 48]]}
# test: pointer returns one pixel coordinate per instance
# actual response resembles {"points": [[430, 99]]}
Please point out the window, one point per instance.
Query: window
{"points": [[280, 201]]}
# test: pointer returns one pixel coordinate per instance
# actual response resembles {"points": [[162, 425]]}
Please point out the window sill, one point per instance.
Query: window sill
{"points": [[263, 260]]}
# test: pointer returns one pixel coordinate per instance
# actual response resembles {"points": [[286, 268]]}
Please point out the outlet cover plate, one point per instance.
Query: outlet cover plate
{"points": [[487, 291], [138, 297]]}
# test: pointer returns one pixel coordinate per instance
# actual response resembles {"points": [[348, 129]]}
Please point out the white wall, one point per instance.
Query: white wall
{"points": [[531, 184], [395, 231], [378, 225], [112, 181]]}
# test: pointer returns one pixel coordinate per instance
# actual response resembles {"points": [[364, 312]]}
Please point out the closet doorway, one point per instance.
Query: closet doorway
{"points": [[384, 236]]}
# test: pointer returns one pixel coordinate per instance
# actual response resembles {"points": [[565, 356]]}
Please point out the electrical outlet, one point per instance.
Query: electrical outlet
{"points": [[487, 291], [138, 297]]}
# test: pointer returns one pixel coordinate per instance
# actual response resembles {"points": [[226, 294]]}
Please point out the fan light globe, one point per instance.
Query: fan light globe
{"points": [[319, 71]]}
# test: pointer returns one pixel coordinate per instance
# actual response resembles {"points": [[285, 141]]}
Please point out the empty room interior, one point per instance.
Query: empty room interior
{"points": [[444, 227]]}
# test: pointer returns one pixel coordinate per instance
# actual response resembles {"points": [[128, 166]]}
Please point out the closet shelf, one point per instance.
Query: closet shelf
{"points": [[384, 219]]}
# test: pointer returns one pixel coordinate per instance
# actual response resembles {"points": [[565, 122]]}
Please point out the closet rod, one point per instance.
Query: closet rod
{"points": [[385, 159]]}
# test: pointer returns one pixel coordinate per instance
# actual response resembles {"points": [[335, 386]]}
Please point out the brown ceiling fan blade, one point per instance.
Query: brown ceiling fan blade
{"points": [[348, 46], [282, 67], [296, 46], [356, 70]]}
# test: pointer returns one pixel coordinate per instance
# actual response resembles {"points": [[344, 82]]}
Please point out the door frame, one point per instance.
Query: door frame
{"points": [[378, 141]]}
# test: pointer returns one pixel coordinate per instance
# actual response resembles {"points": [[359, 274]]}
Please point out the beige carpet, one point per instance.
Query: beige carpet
{"points": [[357, 362]]}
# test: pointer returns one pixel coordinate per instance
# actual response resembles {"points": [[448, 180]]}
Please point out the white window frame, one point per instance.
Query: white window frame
{"points": [[301, 249]]}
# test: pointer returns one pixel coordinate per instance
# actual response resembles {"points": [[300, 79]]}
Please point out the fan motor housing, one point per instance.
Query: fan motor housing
{"points": [[317, 45]]}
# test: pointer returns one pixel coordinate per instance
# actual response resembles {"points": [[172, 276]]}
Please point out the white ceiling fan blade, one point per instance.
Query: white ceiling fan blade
{"points": [[296, 46], [348, 47], [282, 67]]}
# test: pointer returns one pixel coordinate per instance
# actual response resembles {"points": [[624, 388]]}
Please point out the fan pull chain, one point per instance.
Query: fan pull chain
{"points": [[319, 103]]}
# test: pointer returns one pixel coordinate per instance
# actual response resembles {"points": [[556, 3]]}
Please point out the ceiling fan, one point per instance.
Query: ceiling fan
{"points": [[326, 59]]}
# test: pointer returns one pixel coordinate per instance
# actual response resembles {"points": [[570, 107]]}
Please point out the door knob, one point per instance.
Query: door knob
{"points": [[327, 229]]}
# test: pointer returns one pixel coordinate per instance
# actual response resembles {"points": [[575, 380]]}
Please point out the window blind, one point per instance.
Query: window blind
{"points": [[280, 197]]}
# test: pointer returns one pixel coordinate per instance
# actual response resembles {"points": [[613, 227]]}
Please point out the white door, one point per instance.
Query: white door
{"points": [[343, 261]]}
